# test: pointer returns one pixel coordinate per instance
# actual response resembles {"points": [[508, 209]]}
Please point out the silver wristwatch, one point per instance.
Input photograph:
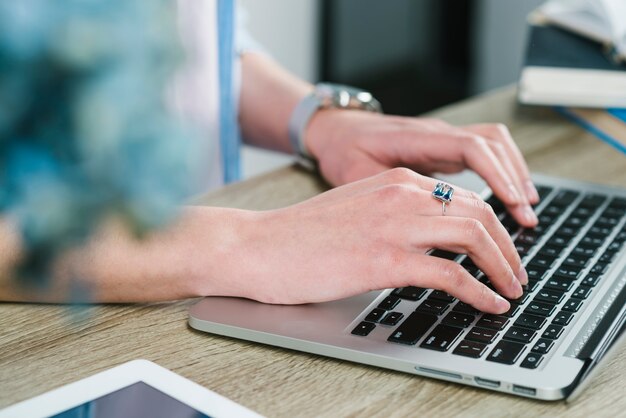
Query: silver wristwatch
{"points": [[325, 96]]}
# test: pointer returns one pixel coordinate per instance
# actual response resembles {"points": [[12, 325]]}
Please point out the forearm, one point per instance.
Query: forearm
{"points": [[189, 258], [269, 95]]}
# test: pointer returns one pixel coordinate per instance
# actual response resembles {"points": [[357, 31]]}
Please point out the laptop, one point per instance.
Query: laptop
{"points": [[568, 322]]}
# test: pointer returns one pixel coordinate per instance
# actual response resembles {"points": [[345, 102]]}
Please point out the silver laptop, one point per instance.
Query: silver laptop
{"points": [[570, 319]]}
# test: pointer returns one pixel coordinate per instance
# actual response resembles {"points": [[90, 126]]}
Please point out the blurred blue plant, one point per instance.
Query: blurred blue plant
{"points": [[84, 131]]}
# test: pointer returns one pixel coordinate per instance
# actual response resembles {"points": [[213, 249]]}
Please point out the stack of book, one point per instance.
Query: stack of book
{"points": [[576, 61]]}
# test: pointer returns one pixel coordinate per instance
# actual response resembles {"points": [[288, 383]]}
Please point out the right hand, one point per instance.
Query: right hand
{"points": [[374, 234]]}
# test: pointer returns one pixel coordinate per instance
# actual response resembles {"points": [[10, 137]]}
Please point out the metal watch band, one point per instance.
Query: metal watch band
{"points": [[325, 96]]}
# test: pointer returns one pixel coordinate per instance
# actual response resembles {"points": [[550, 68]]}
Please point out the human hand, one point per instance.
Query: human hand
{"points": [[352, 145], [368, 235]]}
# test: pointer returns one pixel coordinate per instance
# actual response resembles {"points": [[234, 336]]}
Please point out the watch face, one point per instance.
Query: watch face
{"points": [[339, 95]]}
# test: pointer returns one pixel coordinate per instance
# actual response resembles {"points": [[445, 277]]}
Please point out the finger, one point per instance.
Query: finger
{"points": [[474, 152], [435, 273], [428, 184], [469, 236], [501, 134], [523, 213], [481, 211]]}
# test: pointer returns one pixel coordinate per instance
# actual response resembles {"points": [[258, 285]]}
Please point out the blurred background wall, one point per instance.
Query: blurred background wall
{"points": [[414, 55]]}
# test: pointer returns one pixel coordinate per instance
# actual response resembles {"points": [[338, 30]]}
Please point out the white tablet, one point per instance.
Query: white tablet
{"points": [[136, 389]]}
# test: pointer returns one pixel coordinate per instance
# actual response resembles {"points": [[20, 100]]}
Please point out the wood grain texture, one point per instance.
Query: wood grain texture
{"points": [[45, 346]]}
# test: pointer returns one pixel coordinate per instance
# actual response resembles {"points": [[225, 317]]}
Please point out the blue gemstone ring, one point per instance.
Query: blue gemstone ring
{"points": [[443, 192]]}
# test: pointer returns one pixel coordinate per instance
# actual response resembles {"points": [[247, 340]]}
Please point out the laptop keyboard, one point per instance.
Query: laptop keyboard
{"points": [[566, 256]]}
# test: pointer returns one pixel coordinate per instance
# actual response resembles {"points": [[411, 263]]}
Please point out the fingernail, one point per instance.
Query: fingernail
{"points": [[514, 197], [502, 304], [522, 275], [530, 216], [531, 191]]}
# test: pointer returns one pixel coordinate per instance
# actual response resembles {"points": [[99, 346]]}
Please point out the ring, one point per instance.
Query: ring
{"points": [[443, 192]]}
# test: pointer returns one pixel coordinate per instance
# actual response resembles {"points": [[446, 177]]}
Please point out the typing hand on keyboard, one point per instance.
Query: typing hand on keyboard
{"points": [[376, 234]]}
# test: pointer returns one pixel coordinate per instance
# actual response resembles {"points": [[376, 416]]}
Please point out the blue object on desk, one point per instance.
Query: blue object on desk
{"points": [[619, 114]]}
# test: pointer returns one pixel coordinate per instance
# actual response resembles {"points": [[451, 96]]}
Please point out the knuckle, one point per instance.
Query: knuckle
{"points": [[394, 192], [454, 275], [485, 211], [475, 196], [501, 128], [477, 141], [401, 175], [498, 148], [483, 295], [472, 228]]}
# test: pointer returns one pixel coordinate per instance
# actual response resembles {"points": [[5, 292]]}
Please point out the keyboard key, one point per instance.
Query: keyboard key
{"points": [[540, 308], [572, 305], [600, 230], [583, 212], [567, 231], [568, 271], [441, 295], [458, 319], [410, 293], [559, 283], [522, 335], [522, 248], [363, 329], [376, 315], [512, 310], [525, 295], [471, 349], [442, 338], [482, 335], [563, 318], [535, 273], [551, 251], [530, 321], [553, 332], [413, 328], [433, 306], [389, 303], [542, 261], [576, 261], [444, 254], [465, 308], [591, 241], [607, 257], [506, 352], [392, 318], [493, 322], [592, 201], [543, 345], [549, 296], [558, 241], [575, 221], [583, 251], [532, 285], [582, 292], [599, 268], [591, 280], [532, 361], [564, 197]]}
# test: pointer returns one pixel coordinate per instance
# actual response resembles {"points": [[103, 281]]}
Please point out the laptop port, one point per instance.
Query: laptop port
{"points": [[486, 382], [524, 390]]}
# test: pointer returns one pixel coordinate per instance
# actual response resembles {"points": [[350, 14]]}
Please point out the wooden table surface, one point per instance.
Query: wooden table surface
{"points": [[45, 346]]}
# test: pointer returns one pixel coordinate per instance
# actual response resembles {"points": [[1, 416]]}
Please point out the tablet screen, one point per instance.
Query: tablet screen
{"points": [[135, 401]]}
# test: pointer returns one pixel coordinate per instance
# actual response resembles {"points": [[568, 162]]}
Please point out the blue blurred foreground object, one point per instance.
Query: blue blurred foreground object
{"points": [[84, 131]]}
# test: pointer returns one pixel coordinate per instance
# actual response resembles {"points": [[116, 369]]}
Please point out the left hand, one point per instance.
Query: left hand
{"points": [[352, 144]]}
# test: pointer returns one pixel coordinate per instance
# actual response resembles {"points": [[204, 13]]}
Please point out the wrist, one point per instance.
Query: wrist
{"points": [[215, 250]]}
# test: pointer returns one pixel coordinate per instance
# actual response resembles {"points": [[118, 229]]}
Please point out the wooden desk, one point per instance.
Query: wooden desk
{"points": [[41, 348]]}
